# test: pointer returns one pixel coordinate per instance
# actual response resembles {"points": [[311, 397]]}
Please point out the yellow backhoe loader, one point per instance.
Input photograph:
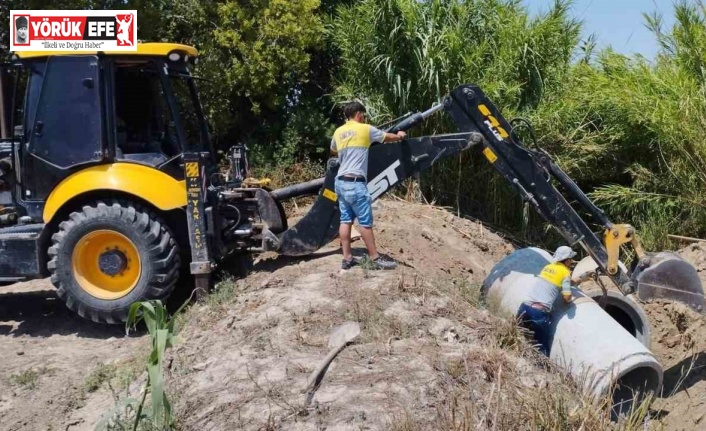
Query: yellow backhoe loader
{"points": [[109, 185]]}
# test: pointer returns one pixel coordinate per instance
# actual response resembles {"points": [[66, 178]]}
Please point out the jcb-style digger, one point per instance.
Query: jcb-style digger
{"points": [[111, 187]]}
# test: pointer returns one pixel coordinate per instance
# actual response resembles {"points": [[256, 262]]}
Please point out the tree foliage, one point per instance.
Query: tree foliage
{"points": [[627, 129], [255, 57], [630, 130], [402, 55]]}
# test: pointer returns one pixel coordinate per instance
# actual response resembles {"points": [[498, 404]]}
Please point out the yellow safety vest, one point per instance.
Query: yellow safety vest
{"points": [[352, 135], [555, 273]]}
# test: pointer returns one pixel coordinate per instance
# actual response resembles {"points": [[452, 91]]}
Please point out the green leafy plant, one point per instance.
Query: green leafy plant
{"points": [[161, 330], [158, 415]]}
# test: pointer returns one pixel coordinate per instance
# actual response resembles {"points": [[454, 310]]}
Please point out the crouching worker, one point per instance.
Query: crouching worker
{"points": [[535, 313]]}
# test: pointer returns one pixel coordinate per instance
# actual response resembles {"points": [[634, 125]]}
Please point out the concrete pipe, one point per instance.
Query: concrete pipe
{"points": [[585, 341], [623, 309]]}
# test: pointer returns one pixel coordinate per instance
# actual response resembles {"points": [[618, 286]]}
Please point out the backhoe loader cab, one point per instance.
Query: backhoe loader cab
{"points": [[92, 172]]}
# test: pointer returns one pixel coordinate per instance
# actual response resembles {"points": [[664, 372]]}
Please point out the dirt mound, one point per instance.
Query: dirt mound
{"points": [[429, 355], [246, 363], [679, 342], [416, 328], [696, 255]]}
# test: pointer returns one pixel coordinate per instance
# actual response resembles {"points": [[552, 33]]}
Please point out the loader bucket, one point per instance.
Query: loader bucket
{"points": [[665, 275]]}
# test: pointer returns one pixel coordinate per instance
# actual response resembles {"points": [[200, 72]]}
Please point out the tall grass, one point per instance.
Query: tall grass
{"points": [[628, 130], [631, 130], [402, 55]]}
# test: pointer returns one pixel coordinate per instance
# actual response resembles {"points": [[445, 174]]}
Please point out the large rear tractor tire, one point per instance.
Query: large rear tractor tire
{"points": [[108, 256]]}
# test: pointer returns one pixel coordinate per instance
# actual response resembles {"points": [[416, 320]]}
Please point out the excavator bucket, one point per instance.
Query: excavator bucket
{"points": [[665, 275]]}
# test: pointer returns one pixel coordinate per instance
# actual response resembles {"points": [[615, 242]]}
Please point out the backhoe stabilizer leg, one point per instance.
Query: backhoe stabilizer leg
{"points": [[202, 282], [201, 265], [270, 241]]}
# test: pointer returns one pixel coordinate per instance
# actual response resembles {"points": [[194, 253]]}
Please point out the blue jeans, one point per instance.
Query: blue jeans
{"points": [[354, 201], [537, 321]]}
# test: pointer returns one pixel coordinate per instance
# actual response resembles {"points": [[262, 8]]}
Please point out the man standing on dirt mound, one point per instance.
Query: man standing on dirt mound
{"points": [[351, 143], [535, 313]]}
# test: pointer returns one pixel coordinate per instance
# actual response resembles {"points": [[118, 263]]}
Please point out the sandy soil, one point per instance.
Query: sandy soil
{"points": [[249, 368], [244, 362], [679, 341], [46, 356]]}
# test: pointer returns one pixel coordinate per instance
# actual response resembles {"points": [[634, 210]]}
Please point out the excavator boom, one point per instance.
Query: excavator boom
{"points": [[530, 172], [656, 275]]}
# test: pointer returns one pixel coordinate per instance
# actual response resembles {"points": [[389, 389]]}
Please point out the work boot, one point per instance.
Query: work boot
{"points": [[348, 264], [384, 263]]}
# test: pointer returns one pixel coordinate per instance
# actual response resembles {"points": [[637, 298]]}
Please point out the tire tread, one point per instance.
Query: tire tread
{"points": [[162, 249]]}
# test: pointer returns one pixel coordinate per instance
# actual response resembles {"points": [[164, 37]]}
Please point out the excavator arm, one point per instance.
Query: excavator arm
{"points": [[388, 166], [530, 172]]}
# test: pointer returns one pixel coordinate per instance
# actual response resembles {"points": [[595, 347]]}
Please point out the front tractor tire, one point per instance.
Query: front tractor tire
{"points": [[108, 256]]}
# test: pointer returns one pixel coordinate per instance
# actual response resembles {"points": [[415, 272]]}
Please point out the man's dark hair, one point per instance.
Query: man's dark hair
{"points": [[21, 22], [352, 108]]}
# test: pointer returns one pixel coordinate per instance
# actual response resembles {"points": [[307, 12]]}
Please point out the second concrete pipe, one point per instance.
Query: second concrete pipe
{"points": [[600, 350]]}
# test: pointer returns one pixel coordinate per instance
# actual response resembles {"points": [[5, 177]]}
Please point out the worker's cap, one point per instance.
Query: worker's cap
{"points": [[563, 253], [21, 22]]}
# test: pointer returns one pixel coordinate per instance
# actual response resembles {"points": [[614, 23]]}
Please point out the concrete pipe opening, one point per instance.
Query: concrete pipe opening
{"points": [[632, 388], [635, 384], [625, 312]]}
